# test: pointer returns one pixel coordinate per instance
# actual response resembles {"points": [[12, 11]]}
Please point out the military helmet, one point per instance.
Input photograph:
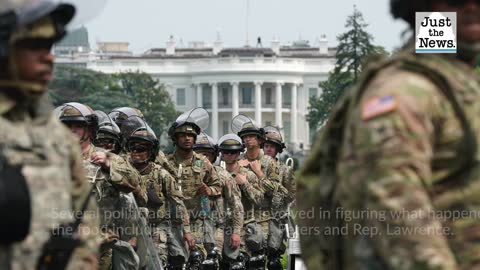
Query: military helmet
{"points": [[134, 130], [77, 112], [108, 129], [230, 142], [40, 20], [205, 142], [273, 135], [191, 122], [244, 125], [121, 114]]}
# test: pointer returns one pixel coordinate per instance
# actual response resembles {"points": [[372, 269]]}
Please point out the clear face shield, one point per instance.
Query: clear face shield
{"points": [[140, 140]]}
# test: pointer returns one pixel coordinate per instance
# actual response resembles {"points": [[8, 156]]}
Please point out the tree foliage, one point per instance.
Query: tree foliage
{"points": [[108, 91], [354, 50]]}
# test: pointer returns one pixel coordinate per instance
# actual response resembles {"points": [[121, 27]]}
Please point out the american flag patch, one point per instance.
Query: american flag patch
{"points": [[378, 106]]}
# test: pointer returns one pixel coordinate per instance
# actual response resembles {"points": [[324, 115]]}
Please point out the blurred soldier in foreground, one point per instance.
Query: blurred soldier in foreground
{"points": [[227, 209], [109, 173], [159, 190], [41, 174], [198, 181], [400, 152]]}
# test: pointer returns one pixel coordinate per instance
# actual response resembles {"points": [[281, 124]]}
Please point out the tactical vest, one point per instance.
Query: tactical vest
{"points": [[460, 188], [153, 182], [190, 178], [46, 166]]}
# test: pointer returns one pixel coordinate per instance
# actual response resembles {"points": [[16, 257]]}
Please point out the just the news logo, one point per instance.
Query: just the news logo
{"points": [[436, 32]]}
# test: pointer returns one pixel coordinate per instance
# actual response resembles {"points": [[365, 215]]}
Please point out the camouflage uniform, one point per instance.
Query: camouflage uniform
{"points": [[193, 173], [50, 165], [165, 186], [407, 158]]}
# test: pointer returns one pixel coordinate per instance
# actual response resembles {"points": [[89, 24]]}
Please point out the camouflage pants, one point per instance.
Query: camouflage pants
{"points": [[159, 235], [203, 232]]}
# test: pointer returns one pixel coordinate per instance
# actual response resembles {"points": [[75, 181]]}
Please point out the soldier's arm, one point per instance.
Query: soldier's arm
{"points": [[386, 160], [252, 189], [122, 174], [86, 254], [233, 198], [174, 194], [212, 180], [271, 182], [289, 183]]}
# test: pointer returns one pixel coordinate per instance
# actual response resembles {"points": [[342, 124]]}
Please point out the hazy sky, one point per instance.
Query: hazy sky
{"points": [[149, 23]]}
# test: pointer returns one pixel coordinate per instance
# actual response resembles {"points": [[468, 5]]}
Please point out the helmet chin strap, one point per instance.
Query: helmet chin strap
{"points": [[469, 52]]}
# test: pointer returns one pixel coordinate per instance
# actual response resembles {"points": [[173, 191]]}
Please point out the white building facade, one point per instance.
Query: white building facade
{"points": [[270, 85]]}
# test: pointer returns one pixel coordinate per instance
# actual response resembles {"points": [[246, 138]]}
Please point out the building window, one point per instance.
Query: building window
{"points": [[268, 123], [312, 92], [181, 97], [225, 96], [246, 96], [286, 131], [207, 98], [268, 96], [286, 97], [226, 127]]}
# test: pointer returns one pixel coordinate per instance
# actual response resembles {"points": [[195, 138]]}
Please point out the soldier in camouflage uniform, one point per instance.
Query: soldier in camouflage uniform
{"points": [[119, 115], [267, 171], [273, 146], [41, 176], [108, 134], [401, 149], [110, 174], [159, 190], [227, 210], [198, 180]]}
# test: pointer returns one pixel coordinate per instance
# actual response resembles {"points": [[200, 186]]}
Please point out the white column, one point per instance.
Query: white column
{"points": [[258, 103], [214, 111], [293, 116], [199, 95], [235, 99], [278, 105]]}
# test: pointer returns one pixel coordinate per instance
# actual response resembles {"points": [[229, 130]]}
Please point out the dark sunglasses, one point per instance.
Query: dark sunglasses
{"points": [[229, 152], [138, 148], [105, 141], [456, 3]]}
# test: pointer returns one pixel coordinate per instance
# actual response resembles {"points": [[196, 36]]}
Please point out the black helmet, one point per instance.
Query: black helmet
{"points": [[205, 142], [135, 130], [244, 125], [193, 122], [273, 135], [107, 129], [230, 142]]}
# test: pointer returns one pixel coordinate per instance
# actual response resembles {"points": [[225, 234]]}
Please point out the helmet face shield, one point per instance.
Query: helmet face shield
{"points": [[136, 132], [230, 142], [244, 125], [274, 136], [108, 134], [192, 122]]}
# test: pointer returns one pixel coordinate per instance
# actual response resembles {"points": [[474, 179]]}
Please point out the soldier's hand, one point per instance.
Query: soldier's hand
{"points": [[243, 163], [204, 190], [241, 179], [101, 159], [137, 190], [190, 241], [235, 241], [256, 167]]}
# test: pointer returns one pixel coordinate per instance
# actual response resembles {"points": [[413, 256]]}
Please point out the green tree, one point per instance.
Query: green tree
{"points": [[354, 50], [108, 91]]}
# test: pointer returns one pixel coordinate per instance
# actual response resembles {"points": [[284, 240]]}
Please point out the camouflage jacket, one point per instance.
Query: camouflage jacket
{"points": [[408, 162], [50, 157], [155, 178], [121, 177], [228, 208], [191, 173]]}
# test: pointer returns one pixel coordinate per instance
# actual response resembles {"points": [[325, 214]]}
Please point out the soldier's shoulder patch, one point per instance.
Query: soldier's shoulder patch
{"points": [[199, 163], [378, 106]]}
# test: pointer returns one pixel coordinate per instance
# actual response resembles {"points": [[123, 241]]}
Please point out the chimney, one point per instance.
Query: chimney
{"points": [[170, 46], [323, 45], [217, 45], [276, 46]]}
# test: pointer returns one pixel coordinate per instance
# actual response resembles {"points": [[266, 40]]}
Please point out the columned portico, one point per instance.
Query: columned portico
{"points": [[278, 105], [258, 103], [214, 110]]}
